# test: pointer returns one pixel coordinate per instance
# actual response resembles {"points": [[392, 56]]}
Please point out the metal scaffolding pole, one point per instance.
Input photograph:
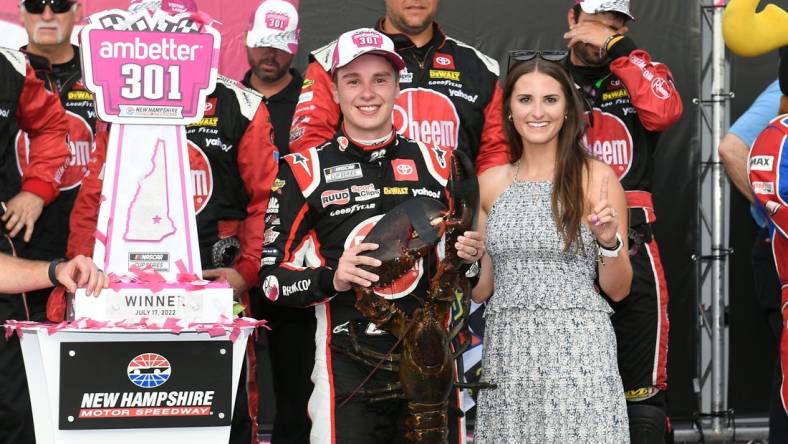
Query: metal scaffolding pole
{"points": [[720, 115], [714, 421]]}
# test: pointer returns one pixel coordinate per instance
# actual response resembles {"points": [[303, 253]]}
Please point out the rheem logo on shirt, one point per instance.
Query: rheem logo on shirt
{"points": [[609, 141], [427, 116]]}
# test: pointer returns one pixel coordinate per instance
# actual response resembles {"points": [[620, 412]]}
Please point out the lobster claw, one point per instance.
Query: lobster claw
{"points": [[463, 187], [407, 227]]}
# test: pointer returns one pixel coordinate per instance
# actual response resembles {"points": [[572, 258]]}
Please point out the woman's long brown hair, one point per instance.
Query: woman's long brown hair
{"points": [[572, 159]]}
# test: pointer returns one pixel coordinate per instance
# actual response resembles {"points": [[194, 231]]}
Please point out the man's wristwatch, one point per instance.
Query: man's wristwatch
{"points": [[608, 251], [52, 270]]}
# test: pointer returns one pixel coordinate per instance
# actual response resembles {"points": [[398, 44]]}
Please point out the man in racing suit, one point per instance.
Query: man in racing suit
{"points": [[233, 164], [450, 93], [634, 100], [26, 104], [766, 160], [330, 197]]}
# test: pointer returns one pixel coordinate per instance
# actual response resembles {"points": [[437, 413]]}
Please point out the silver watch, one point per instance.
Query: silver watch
{"points": [[611, 252]]}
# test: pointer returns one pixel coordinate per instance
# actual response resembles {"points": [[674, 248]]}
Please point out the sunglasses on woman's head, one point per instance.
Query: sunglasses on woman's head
{"points": [[38, 6], [524, 55]]}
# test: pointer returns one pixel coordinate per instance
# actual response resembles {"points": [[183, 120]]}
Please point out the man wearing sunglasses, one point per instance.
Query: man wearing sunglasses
{"points": [[49, 24], [634, 101], [450, 94], [24, 103]]}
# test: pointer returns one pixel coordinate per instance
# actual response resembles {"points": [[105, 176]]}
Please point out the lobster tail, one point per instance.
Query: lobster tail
{"points": [[427, 423]]}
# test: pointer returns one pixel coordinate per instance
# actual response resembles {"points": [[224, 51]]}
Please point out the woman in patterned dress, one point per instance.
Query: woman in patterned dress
{"points": [[555, 221]]}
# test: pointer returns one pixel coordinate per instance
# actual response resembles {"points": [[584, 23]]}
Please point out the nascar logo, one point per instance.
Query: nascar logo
{"points": [[149, 370]]}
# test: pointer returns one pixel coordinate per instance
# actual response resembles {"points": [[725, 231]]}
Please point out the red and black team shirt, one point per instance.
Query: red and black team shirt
{"points": [[65, 81], [634, 101], [25, 103]]}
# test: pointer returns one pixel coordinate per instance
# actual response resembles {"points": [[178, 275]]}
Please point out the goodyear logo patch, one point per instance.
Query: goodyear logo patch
{"points": [[446, 75], [613, 95], [206, 121], [80, 95]]}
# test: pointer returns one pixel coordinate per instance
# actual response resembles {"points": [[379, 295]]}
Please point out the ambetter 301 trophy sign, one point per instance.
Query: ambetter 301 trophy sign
{"points": [[150, 74], [156, 357]]}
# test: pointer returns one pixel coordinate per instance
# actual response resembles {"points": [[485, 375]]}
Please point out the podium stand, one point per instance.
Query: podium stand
{"points": [[156, 358], [47, 359]]}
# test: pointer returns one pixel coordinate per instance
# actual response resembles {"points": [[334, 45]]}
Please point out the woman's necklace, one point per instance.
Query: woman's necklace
{"points": [[516, 168]]}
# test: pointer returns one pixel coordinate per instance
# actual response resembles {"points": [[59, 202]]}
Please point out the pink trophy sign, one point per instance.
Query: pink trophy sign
{"points": [[151, 73]]}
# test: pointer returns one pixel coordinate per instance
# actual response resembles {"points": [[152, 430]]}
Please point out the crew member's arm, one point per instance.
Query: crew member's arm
{"points": [[493, 149], [650, 85], [285, 277], [84, 213], [735, 146], [257, 163], [20, 275], [316, 115], [41, 116]]}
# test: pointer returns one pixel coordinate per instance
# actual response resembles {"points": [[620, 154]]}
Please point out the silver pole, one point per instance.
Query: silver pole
{"points": [[719, 383]]}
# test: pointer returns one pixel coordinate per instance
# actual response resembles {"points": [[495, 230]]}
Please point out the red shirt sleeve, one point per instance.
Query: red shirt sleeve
{"points": [[651, 90], [316, 115], [84, 214], [493, 149], [257, 163], [41, 115]]}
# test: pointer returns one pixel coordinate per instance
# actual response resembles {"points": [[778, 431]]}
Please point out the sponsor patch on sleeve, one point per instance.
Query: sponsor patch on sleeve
{"points": [[766, 188], [761, 163]]}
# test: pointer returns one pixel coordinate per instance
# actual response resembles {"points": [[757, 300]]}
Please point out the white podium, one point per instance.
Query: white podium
{"points": [[44, 353], [156, 358]]}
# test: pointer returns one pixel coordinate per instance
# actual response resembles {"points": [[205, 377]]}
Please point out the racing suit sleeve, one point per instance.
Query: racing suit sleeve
{"points": [[84, 214], [493, 149], [316, 115], [765, 163], [257, 165], [650, 85], [285, 278], [41, 116]]}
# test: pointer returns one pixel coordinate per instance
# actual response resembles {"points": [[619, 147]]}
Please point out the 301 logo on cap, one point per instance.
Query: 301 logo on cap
{"points": [[277, 20], [365, 39]]}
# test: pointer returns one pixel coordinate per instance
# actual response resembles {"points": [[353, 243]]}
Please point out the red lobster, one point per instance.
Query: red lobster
{"points": [[408, 232]]}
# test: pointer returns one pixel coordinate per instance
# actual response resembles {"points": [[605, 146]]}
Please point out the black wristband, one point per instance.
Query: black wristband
{"points": [[621, 48], [52, 268]]}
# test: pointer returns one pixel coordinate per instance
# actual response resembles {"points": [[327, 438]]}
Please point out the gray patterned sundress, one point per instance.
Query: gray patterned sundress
{"points": [[548, 343]]}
